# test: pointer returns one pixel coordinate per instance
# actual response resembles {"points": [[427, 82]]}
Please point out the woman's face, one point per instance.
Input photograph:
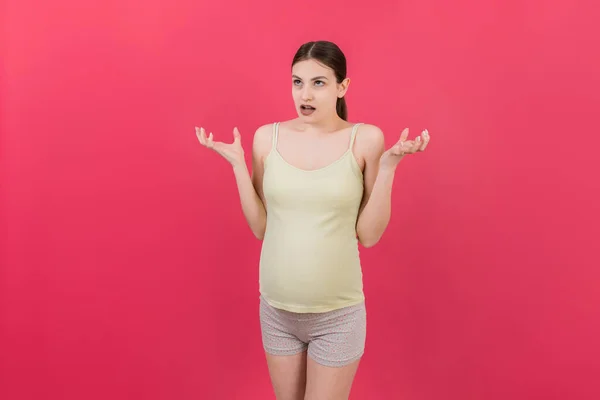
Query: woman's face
{"points": [[315, 86]]}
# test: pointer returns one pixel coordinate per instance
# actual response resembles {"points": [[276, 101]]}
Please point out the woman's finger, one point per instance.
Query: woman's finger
{"points": [[425, 140], [403, 135], [209, 142], [237, 137], [417, 145], [200, 136]]}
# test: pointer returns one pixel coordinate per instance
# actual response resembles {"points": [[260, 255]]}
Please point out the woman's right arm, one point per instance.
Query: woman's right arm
{"points": [[250, 185]]}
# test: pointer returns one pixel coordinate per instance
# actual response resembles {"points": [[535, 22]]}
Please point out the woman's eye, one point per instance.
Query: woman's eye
{"points": [[320, 82], [297, 82]]}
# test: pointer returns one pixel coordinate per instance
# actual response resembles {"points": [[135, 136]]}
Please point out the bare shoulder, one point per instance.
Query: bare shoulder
{"points": [[263, 139], [369, 141]]}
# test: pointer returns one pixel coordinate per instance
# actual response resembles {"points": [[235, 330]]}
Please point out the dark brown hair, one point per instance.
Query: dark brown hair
{"points": [[330, 55]]}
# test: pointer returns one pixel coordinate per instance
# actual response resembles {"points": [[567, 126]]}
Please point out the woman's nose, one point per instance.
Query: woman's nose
{"points": [[306, 94]]}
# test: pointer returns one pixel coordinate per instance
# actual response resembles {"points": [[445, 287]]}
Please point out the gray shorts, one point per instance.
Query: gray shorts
{"points": [[334, 338]]}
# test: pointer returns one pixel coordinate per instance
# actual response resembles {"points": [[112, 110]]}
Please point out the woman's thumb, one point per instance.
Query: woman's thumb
{"points": [[236, 135]]}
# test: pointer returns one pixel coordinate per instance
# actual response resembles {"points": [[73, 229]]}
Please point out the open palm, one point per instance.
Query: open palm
{"points": [[232, 152], [394, 154]]}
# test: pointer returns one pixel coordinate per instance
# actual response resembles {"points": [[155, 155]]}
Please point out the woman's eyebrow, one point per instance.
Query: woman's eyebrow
{"points": [[314, 79]]}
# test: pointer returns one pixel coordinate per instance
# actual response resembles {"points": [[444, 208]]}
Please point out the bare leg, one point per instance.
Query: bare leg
{"points": [[329, 383], [288, 375]]}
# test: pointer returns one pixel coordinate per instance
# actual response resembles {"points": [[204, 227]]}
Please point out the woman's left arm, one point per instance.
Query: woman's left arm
{"points": [[379, 171]]}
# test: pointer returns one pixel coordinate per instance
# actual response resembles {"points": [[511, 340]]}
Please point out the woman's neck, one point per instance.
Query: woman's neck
{"points": [[324, 126]]}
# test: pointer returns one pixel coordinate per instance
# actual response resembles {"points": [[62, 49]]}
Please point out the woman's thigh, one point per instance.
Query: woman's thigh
{"points": [[285, 353], [288, 375], [335, 349], [329, 383]]}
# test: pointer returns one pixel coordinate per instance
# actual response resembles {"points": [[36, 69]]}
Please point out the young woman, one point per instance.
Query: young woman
{"points": [[319, 186]]}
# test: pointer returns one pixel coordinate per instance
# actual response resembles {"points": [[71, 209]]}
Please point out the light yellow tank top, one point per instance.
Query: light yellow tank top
{"points": [[310, 259]]}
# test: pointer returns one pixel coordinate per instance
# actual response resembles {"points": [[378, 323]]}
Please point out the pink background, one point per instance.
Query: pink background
{"points": [[127, 270]]}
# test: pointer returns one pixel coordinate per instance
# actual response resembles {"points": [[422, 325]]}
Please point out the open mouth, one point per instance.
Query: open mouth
{"points": [[306, 109]]}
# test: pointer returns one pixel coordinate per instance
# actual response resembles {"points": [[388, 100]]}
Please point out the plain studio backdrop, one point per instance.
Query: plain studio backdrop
{"points": [[128, 271]]}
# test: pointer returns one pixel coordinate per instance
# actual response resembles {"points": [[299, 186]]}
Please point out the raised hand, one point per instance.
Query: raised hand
{"points": [[391, 157], [232, 152]]}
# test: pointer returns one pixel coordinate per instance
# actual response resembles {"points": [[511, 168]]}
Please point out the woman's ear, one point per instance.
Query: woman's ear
{"points": [[343, 87]]}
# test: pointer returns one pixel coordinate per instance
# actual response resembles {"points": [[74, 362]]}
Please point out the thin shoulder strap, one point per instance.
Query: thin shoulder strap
{"points": [[353, 134], [275, 133]]}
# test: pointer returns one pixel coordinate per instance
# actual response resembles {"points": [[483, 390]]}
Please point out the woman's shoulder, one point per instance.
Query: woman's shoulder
{"points": [[263, 140], [265, 130], [369, 137], [264, 133], [369, 129]]}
